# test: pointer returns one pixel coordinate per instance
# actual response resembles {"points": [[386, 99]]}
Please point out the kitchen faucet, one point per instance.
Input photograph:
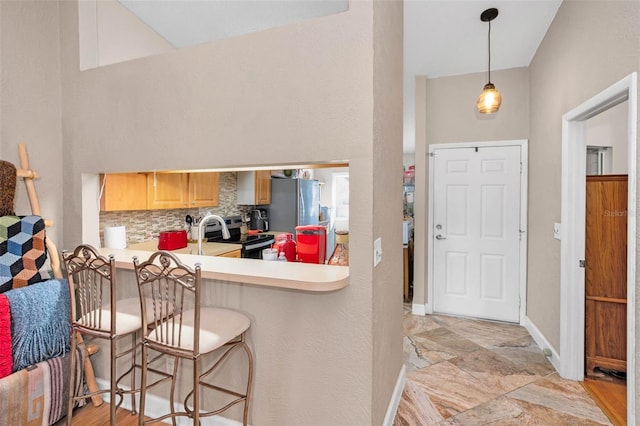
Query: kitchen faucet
{"points": [[208, 217]]}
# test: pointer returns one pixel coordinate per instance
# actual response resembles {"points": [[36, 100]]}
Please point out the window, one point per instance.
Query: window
{"points": [[340, 191]]}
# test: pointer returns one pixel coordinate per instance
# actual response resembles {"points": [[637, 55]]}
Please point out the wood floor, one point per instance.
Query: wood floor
{"points": [[99, 416], [610, 397]]}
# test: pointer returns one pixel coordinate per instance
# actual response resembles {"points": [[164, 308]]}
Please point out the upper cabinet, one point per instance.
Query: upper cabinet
{"points": [[254, 188], [154, 191], [166, 190], [204, 189], [123, 191], [182, 190]]}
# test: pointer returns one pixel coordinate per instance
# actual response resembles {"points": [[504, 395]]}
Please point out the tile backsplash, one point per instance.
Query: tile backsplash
{"points": [[145, 225]]}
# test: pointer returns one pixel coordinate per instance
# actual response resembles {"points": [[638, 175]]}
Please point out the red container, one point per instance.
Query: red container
{"points": [[172, 240], [312, 243], [285, 243]]}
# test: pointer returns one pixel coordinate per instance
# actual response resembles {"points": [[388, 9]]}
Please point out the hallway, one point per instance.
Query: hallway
{"points": [[470, 372]]}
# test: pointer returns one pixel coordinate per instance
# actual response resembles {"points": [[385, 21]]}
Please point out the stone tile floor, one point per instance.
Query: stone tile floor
{"points": [[472, 372]]}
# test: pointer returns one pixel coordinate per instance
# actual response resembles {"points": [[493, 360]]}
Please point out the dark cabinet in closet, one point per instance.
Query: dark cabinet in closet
{"points": [[606, 273]]}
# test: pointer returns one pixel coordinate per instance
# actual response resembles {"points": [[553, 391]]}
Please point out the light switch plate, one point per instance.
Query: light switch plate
{"points": [[557, 231], [377, 251]]}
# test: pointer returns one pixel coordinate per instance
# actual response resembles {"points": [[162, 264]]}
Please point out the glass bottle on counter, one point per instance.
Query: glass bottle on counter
{"points": [[340, 255]]}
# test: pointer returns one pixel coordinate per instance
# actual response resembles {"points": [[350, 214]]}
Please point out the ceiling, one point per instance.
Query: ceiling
{"points": [[441, 37]]}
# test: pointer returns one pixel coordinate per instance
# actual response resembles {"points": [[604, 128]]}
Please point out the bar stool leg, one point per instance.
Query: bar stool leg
{"points": [[72, 377], [113, 384], [245, 416]]}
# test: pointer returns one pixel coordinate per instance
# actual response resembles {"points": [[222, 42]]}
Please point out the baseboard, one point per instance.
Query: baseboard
{"points": [[392, 409], [418, 309], [156, 406], [542, 342]]}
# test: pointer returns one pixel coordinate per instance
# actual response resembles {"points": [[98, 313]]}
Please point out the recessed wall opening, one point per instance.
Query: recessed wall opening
{"points": [[579, 129]]}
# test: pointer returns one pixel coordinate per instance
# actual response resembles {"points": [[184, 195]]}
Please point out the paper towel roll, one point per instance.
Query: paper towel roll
{"points": [[115, 237]]}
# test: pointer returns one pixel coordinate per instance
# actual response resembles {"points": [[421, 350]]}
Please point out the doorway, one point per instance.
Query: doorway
{"points": [[572, 287], [477, 238]]}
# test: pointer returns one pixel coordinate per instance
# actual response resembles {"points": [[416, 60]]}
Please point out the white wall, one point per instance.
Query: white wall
{"points": [[610, 129]]}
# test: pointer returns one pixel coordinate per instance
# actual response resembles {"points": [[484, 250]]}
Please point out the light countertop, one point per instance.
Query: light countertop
{"points": [[290, 275], [208, 249]]}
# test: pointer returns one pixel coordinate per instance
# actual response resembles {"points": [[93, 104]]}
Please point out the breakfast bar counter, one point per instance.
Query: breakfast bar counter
{"points": [[289, 275], [208, 249]]}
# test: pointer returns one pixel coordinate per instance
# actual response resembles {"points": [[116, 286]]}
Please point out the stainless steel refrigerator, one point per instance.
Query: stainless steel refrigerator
{"points": [[294, 202]]}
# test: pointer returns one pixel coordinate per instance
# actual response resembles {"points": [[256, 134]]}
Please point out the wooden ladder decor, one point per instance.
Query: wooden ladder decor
{"points": [[28, 176]]}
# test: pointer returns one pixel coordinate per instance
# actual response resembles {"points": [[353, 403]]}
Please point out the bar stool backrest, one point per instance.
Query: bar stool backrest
{"points": [[92, 276], [174, 291]]}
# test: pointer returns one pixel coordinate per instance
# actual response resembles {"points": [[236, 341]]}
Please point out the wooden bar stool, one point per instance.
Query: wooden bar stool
{"points": [[191, 332], [96, 313]]}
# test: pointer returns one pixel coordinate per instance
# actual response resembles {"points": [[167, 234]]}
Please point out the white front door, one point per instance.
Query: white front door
{"points": [[476, 220]]}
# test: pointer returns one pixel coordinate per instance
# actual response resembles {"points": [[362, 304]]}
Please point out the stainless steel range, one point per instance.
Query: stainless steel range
{"points": [[252, 245]]}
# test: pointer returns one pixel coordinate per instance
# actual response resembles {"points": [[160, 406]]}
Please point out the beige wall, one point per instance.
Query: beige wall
{"points": [[386, 192], [30, 101], [447, 114], [110, 33], [305, 92], [590, 46]]}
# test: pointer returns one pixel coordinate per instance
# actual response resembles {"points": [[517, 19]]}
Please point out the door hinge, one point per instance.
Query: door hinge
{"points": [[582, 263], [521, 232], [521, 167]]}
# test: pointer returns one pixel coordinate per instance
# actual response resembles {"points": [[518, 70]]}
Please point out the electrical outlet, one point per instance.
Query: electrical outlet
{"points": [[377, 251], [170, 363]]}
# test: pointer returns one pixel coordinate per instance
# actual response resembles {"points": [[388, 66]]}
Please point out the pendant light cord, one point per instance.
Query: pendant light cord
{"points": [[489, 38]]}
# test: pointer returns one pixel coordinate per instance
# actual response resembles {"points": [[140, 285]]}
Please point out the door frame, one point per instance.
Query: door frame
{"points": [[572, 280], [524, 164]]}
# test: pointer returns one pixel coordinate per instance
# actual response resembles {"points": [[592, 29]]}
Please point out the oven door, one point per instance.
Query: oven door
{"points": [[253, 249]]}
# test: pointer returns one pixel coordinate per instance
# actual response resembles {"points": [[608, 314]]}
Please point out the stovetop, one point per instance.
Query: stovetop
{"points": [[213, 232], [238, 239]]}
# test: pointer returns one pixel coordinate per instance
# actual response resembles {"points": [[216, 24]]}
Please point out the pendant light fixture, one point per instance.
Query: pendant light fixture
{"points": [[490, 99]]}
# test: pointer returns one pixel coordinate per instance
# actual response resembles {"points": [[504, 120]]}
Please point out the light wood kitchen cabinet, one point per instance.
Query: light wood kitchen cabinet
{"points": [[204, 189], [123, 191], [182, 190], [254, 187], [235, 253]]}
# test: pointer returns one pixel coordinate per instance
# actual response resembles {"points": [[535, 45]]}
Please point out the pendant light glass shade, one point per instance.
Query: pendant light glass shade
{"points": [[489, 100]]}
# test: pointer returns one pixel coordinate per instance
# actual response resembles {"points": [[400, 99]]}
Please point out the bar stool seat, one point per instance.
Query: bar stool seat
{"points": [[217, 327], [128, 316]]}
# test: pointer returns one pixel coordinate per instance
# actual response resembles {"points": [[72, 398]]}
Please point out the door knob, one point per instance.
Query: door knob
{"points": [[440, 237]]}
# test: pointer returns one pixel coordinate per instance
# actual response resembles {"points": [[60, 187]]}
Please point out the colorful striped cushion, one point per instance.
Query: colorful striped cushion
{"points": [[6, 364]]}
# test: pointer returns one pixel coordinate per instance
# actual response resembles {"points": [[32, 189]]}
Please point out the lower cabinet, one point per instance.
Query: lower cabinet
{"points": [[235, 253]]}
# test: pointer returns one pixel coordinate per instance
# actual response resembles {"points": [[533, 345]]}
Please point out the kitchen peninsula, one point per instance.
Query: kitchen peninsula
{"points": [[287, 275], [208, 249]]}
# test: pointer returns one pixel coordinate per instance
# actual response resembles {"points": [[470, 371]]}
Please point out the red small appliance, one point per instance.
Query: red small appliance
{"points": [[172, 240], [285, 243], [312, 243]]}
